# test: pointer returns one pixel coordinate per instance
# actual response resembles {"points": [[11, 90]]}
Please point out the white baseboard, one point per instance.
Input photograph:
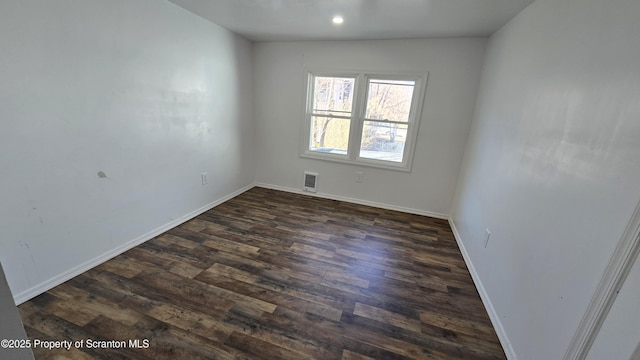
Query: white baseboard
{"points": [[77, 270], [356, 201], [484, 296]]}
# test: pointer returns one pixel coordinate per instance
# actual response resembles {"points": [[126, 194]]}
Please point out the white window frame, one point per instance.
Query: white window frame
{"points": [[357, 120]]}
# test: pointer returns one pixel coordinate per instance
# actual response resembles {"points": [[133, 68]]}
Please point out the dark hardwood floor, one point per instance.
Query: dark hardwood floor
{"points": [[274, 275]]}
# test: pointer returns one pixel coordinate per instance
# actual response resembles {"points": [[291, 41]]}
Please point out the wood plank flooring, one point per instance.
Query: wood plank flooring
{"points": [[275, 275]]}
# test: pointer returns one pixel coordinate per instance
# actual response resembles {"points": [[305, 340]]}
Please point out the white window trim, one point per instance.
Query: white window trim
{"points": [[358, 118]]}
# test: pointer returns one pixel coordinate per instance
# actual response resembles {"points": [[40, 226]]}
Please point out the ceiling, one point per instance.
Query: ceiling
{"points": [[283, 20]]}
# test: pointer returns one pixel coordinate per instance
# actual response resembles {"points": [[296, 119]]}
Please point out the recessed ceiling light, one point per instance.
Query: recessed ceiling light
{"points": [[337, 19]]}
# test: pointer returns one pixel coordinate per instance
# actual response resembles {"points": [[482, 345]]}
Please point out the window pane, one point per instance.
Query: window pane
{"points": [[383, 141], [333, 96], [330, 135], [389, 100]]}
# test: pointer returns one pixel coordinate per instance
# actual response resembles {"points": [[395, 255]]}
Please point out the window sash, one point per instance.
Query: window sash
{"points": [[371, 80], [387, 121], [331, 116]]}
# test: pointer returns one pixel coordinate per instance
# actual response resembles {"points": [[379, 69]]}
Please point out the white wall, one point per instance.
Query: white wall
{"points": [[143, 91], [454, 70], [552, 165]]}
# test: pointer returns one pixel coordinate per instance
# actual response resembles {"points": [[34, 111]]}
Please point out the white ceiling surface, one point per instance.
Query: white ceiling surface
{"points": [[283, 20]]}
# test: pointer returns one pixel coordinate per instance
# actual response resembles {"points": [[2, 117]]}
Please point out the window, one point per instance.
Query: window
{"points": [[331, 112], [363, 118]]}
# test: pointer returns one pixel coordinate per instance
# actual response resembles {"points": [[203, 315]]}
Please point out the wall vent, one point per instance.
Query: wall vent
{"points": [[310, 181]]}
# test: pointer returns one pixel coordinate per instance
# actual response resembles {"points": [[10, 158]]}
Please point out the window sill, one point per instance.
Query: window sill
{"points": [[339, 158]]}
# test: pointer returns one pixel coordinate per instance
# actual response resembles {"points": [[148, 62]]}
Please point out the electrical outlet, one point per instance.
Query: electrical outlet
{"points": [[359, 176], [487, 235], [204, 178]]}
